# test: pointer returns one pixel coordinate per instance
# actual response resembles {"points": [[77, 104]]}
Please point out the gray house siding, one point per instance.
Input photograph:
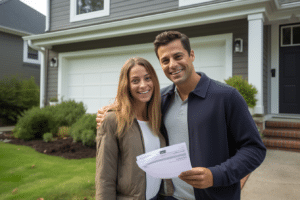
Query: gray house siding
{"points": [[267, 69], [11, 57], [119, 9], [239, 28], [52, 78]]}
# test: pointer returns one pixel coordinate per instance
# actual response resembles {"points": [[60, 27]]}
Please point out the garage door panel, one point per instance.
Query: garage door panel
{"points": [[75, 79], [108, 91], [75, 91], [214, 72], [91, 91], [92, 79], [109, 77]]}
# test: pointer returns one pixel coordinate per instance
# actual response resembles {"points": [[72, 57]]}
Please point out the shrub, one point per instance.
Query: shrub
{"points": [[67, 112], [248, 91], [47, 137], [34, 123], [84, 130], [17, 95], [63, 131], [88, 137]]}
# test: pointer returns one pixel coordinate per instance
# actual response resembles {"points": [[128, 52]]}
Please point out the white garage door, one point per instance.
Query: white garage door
{"points": [[92, 76]]}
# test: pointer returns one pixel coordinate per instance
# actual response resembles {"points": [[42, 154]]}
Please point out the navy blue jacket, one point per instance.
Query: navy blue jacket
{"points": [[222, 134]]}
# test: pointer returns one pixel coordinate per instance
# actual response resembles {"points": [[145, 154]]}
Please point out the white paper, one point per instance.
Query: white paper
{"points": [[167, 162]]}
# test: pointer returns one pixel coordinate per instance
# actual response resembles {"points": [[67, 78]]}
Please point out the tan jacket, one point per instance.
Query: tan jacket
{"points": [[117, 174]]}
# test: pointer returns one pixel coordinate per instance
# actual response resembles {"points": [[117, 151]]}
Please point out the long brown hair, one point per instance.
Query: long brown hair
{"points": [[123, 104]]}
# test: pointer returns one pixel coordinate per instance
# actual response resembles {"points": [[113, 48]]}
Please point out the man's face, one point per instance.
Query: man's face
{"points": [[175, 61]]}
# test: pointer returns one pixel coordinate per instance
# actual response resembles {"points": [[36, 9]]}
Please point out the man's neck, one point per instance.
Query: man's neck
{"points": [[185, 89]]}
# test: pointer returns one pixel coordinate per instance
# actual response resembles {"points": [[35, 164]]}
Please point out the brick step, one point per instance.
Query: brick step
{"points": [[285, 134], [282, 124], [289, 145]]}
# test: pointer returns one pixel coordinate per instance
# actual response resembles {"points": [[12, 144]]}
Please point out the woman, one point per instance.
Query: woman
{"points": [[130, 130]]}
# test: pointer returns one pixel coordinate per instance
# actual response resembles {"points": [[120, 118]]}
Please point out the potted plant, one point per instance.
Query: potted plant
{"points": [[53, 101]]}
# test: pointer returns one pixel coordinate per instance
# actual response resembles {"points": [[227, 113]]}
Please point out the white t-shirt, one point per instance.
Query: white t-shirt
{"points": [[151, 143]]}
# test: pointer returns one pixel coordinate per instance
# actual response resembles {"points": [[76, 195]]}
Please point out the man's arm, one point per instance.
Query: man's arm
{"points": [[243, 134]]}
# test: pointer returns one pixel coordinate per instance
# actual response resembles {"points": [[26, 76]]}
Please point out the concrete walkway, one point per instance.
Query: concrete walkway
{"points": [[6, 128], [278, 178]]}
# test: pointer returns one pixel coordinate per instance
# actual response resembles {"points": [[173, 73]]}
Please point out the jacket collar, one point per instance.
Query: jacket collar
{"points": [[200, 90]]}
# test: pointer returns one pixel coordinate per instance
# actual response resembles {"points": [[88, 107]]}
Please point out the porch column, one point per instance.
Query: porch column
{"points": [[255, 57]]}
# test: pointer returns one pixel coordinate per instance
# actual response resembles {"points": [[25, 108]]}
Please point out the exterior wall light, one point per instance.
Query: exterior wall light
{"points": [[238, 45], [53, 62]]}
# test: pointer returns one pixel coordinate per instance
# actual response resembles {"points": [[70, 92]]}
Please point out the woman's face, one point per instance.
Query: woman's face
{"points": [[141, 85]]}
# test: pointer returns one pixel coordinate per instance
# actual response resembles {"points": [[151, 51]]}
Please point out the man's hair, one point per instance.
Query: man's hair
{"points": [[166, 37], [123, 104]]}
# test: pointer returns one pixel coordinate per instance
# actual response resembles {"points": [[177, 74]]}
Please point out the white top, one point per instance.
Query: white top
{"points": [[151, 142]]}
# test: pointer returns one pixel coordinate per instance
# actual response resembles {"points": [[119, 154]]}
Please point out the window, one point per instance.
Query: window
{"points": [[290, 35], [88, 9], [30, 55], [191, 2]]}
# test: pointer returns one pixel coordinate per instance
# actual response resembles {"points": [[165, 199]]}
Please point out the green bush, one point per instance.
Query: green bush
{"points": [[16, 95], [47, 137], [67, 112], [34, 123], [84, 130], [248, 91], [63, 131]]}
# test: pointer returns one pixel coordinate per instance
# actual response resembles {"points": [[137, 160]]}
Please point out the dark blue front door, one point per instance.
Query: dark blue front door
{"points": [[289, 80]]}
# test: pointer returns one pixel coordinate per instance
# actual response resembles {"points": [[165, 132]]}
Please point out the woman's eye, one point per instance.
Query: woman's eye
{"points": [[134, 81]]}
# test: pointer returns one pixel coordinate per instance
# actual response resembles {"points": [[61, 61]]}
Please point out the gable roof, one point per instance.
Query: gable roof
{"points": [[20, 19]]}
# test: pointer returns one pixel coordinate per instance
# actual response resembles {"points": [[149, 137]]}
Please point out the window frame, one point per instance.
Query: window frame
{"points": [[191, 2], [102, 13], [281, 38], [25, 55]]}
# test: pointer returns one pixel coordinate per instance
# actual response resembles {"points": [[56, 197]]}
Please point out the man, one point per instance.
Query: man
{"points": [[212, 118]]}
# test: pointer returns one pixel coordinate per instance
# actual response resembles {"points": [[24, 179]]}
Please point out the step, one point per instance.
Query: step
{"points": [[285, 134], [282, 124], [290, 145]]}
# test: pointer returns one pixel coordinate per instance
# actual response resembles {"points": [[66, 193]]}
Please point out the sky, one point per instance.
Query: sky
{"points": [[39, 5]]}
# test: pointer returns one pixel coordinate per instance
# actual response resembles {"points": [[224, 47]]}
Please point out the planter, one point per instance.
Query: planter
{"points": [[53, 103]]}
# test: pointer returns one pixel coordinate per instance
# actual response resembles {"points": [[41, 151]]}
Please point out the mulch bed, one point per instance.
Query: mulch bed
{"points": [[61, 147]]}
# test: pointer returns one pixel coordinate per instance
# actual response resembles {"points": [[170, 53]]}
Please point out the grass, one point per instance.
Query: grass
{"points": [[27, 174]]}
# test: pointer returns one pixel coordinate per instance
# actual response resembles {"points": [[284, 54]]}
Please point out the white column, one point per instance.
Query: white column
{"points": [[255, 57], [42, 80]]}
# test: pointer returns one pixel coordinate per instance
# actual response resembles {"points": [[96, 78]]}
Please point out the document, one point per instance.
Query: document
{"points": [[167, 162]]}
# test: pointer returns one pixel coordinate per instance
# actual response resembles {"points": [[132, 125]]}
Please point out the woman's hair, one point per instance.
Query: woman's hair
{"points": [[123, 104]]}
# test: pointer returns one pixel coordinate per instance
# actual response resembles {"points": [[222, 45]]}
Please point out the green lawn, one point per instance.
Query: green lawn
{"points": [[27, 174]]}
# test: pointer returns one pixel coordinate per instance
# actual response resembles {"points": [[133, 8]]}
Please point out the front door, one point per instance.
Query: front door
{"points": [[289, 70]]}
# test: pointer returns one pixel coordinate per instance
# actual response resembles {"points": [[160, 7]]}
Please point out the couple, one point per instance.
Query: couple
{"points": [[210, 117]]}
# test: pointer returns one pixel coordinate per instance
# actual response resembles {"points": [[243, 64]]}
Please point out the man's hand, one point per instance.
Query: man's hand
{"points": [[101, 115], [198, 177]]}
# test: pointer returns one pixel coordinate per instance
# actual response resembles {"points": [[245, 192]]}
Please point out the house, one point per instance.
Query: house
{"points": [[87, 42], [16, 56]]}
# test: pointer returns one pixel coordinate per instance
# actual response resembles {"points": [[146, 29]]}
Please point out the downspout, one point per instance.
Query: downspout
{"points": [[47, 28], [42, 74]]}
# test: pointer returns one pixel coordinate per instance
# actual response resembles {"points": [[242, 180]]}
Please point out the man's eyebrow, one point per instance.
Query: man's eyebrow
{"points": [[178, 53]]}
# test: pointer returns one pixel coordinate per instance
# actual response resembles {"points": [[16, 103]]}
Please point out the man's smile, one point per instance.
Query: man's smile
{"points": [[176, 72]]}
